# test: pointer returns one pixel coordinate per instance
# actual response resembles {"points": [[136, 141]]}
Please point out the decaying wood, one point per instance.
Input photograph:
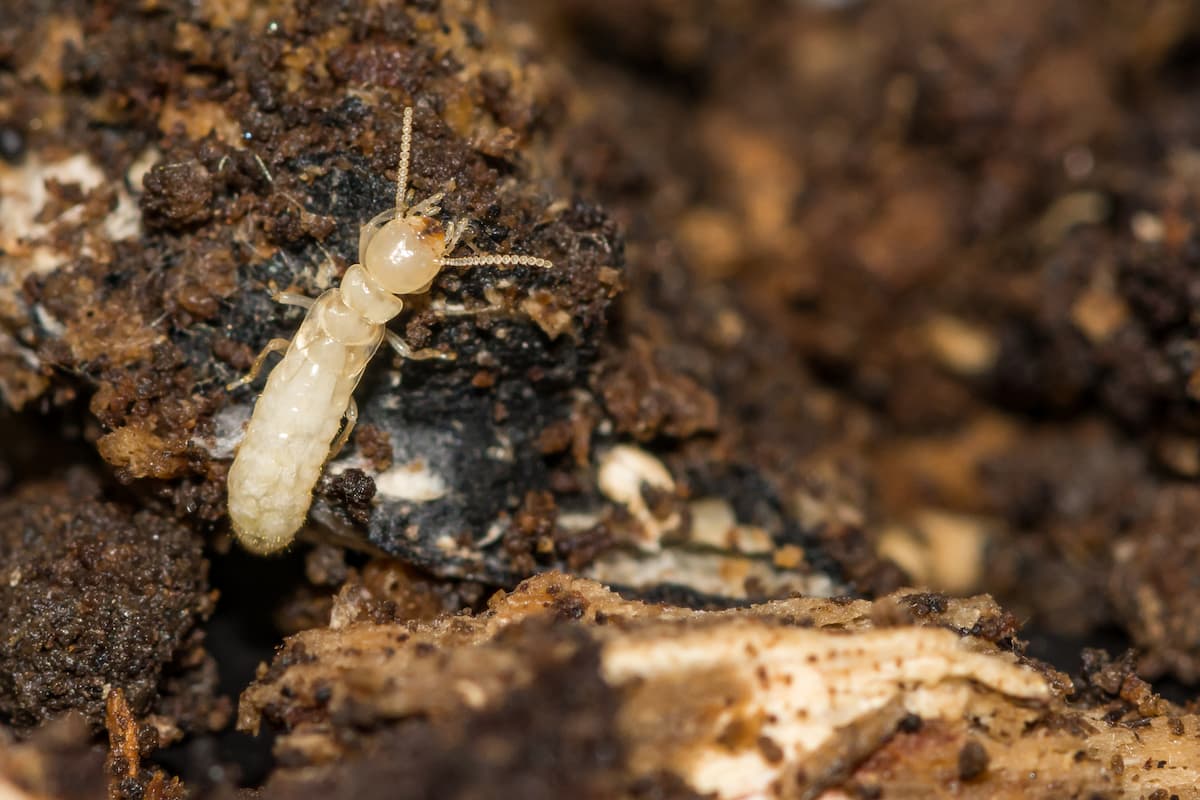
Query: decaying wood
{"points": [[793, 698]]}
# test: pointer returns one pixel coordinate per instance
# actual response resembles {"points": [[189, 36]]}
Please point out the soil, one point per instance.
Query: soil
{"points": [[846, 297], [94, 596]]}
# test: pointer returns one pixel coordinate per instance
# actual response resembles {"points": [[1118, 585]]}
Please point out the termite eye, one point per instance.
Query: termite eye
{"points": [[403, 257]]}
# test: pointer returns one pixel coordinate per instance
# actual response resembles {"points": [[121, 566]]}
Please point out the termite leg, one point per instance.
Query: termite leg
{"points": [[347, 428], [273, 346], [293, 299], [427, 207], [454, 232], [443, 309], [404, 351]]}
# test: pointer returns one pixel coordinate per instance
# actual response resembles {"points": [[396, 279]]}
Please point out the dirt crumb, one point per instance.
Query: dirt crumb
{"points": [[177, 195], [972, 760]]}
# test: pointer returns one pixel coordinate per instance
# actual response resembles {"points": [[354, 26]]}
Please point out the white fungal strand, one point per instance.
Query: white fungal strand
{"points": [[296, 420]]}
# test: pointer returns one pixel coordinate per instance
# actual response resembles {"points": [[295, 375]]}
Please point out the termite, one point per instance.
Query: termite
{"points": [[294, 428]]}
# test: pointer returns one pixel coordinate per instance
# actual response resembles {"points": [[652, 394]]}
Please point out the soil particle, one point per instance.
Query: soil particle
{"points": [[374, 445], [925, 603], [352, 491], [972, 760], [177, 195], [1114, 683]]}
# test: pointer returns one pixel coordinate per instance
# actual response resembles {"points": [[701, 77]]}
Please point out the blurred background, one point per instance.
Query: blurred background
{"points": [[947, 251]]}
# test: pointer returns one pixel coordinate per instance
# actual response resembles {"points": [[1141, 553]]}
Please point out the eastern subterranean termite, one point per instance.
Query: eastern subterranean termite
{"points": [[295, 422]]}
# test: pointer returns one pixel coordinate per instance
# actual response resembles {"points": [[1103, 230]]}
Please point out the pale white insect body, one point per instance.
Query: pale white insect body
{"points": [[291, 433]]}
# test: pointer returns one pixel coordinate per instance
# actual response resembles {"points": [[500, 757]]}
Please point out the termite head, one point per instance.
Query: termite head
{"points": [[402, 253]]}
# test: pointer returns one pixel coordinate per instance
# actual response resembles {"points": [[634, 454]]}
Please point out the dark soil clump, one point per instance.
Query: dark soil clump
{"points": [[96, 597]]}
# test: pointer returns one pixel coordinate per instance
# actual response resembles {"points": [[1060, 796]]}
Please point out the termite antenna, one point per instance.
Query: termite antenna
{"points": [[405, 150], [505, 258]]}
